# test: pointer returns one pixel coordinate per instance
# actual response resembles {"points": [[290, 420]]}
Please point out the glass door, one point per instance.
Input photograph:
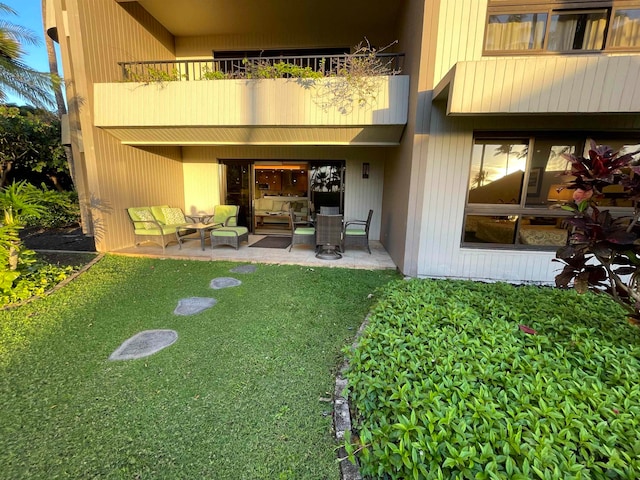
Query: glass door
{"points": [[326, 184], [236, 187]]}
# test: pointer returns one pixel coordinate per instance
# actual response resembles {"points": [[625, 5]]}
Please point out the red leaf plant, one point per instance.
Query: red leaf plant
{"points": [[603, 254]]}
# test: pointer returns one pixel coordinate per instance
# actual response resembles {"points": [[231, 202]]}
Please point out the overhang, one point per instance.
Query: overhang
{"points": [[569, 84]]}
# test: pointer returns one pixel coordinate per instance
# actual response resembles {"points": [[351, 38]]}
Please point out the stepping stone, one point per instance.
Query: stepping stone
{"points": [[144, 344], [224, 282], [193, 305], [244, 269]]}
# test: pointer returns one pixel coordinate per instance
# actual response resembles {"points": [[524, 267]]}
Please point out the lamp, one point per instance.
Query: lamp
{"points": [[559, 193], [365, 170]]}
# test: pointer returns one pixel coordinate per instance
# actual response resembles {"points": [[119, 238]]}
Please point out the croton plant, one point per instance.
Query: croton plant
{"points": [[603, 254]]}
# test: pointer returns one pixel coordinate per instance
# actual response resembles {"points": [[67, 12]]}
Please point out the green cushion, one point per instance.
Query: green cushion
{"points": [[229, 231], [173, 216], [305, 231], [222, 212], [139, 214], [355, 232], [166, 229], [158, 213]]}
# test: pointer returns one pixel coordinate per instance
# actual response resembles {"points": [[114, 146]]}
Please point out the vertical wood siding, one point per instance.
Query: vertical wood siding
{"points": [[460, 33], [119, 176], [446, 180]]}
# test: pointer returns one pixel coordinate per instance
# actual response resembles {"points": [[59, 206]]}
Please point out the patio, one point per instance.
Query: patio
{"points": [[357, 258]]}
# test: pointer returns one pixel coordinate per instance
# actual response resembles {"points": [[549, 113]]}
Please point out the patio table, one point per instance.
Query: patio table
{"points": [[201, 228]]}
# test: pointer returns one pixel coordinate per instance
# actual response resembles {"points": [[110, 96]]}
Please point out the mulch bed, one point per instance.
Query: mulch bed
{"points": [[61, 246]]}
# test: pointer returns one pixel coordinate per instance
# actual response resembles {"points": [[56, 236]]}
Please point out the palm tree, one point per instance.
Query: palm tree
{"points": [[15, 76]]}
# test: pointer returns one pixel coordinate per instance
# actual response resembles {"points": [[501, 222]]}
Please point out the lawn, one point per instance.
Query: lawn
{"points": [[240, 395]]}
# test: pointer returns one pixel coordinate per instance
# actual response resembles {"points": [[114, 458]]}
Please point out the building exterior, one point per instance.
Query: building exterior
{"points": [[459, 155]]}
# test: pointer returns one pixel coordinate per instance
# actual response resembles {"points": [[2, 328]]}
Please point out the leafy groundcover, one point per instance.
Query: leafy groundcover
{"points": [[456, 379]]}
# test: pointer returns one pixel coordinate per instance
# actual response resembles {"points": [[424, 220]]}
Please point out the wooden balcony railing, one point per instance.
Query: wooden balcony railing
{"points": [[253, 67]]}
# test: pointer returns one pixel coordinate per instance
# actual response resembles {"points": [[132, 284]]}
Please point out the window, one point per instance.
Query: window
{"points": [[514, 180], [516, 27], [625, 28], [516, 32], [578, 30]]}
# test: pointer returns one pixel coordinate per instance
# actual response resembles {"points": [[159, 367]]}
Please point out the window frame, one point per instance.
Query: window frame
{"points": [[515, 7], [521, 210]]}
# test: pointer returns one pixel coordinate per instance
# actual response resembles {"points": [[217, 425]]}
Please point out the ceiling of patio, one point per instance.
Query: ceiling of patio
{"points": [[205, 17]]}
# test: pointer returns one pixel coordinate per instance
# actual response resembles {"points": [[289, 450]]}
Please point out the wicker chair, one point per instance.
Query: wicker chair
{"points": [[302, 232], [358, 234], [229, 233], [329, 236]]}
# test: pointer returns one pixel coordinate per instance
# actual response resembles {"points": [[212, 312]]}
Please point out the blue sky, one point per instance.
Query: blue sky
{"points": [[29, 16]]}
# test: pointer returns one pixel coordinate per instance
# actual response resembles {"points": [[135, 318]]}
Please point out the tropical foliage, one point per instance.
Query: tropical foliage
{"points": [[17, 77], [466, 380], [30, 142], [604, 250], [20, 275]]}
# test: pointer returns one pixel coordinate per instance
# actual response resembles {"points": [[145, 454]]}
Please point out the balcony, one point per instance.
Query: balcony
{"points": [[238, 102]]}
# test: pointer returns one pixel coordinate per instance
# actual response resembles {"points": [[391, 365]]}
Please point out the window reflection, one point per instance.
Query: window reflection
{"points": [[577, 31], [497, 170], [625, 28], [516, 31]]}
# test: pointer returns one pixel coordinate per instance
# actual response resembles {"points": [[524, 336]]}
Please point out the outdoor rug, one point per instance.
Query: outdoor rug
{"points": [[272, 242]]}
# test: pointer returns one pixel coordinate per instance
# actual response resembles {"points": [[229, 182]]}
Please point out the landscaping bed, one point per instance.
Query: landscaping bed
{"points": [[457, 379]]}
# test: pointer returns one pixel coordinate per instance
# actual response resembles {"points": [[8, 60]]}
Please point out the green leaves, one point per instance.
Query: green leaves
{"points": [[446, 384]]}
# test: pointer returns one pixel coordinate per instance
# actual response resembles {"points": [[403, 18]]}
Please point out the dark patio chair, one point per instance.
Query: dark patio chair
{"points": [[356, 233], [329, 236], [302, 231]]}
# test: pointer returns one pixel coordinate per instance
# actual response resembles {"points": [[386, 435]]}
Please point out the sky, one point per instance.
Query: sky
{"points": [[29, 15]]}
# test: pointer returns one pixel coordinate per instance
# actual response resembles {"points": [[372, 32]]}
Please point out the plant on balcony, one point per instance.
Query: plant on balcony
{"points": [[153, 75], [603, 254], [262, 68], [356, 79]]}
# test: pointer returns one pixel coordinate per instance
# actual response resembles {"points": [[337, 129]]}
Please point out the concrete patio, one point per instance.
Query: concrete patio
{"points": [[299, 255]]}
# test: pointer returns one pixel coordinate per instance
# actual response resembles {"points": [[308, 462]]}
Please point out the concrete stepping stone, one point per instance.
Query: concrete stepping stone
{"points": [[244, 269], [144, 344], [224, 282], [193, 305]]}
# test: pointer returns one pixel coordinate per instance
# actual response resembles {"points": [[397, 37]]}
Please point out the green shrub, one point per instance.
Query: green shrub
{"points": [[467, 380], [62, 209], [38, 280]]}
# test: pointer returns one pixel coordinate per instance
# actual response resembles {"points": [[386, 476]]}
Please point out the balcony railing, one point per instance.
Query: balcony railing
{"points": [[308, 65]]}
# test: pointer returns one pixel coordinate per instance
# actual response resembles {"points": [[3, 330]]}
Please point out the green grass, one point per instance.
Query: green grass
{"points": [[237, 396]]}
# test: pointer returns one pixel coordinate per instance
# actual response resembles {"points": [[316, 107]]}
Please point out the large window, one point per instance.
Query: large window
{"points": [[514, 180], [555, 28]]}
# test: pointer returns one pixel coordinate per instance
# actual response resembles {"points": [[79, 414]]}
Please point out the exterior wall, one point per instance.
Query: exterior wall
{"points": [[446, 183], [460, 34], [94, 35], [447, 158], [201, 176], [402, 190]]}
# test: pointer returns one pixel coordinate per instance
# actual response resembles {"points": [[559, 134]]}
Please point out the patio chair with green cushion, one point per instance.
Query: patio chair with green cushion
{"points": [[302, 232], [157, 223], [356, 233], [229, 233]]}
